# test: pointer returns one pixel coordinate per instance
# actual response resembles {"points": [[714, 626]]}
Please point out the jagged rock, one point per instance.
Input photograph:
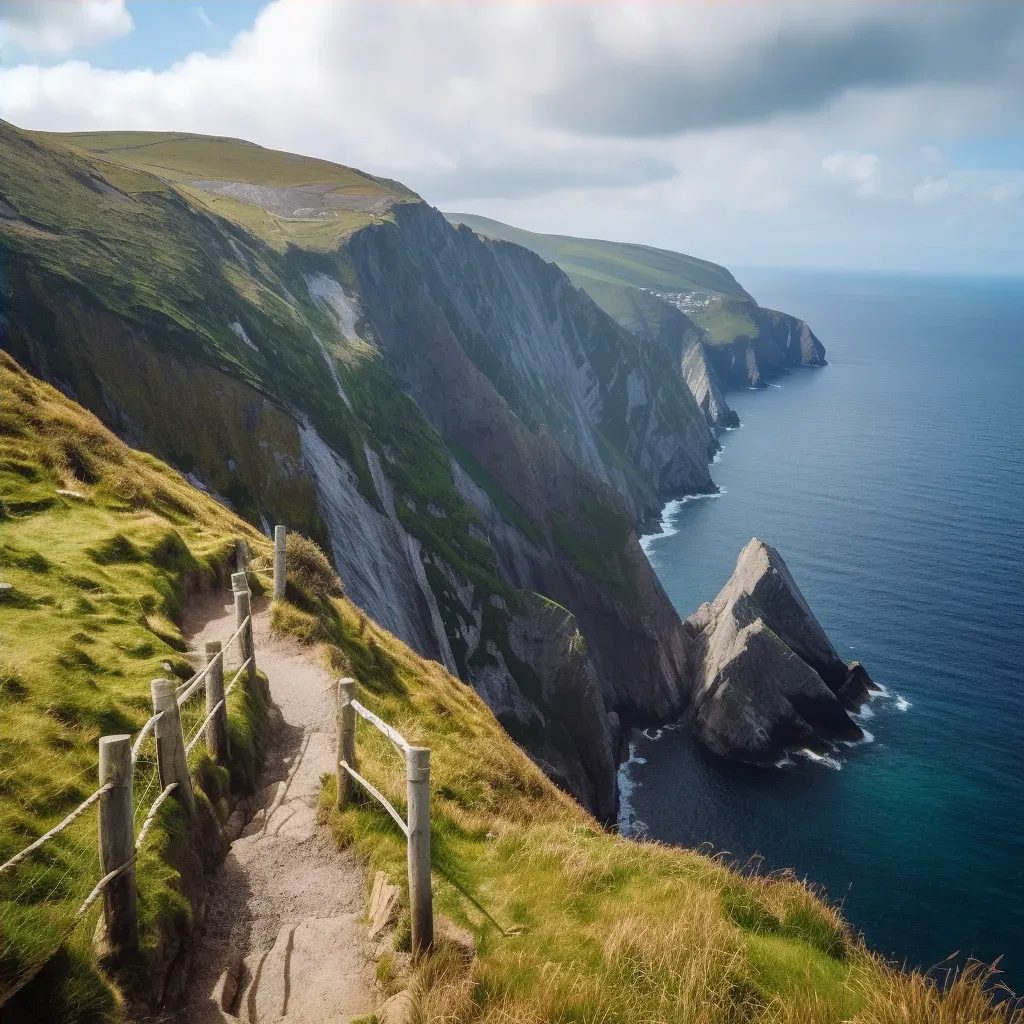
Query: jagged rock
{"points": [[700, 379], [766, 677]]}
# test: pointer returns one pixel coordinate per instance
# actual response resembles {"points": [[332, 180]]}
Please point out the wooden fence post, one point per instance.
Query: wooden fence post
{"points": [[243, 610], [170, 744], [417, 771], [217, 728], [241, 556], [117, 843], [346, 740], [280, 545]]}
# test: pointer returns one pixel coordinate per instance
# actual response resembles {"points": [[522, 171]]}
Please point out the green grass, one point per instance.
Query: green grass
{"points": [[98, 581], [181, 156], [623, 263], [726, 321], [574, 924]]}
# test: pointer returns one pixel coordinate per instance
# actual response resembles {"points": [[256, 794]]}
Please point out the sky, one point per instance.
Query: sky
{"points": [[875, 135]]}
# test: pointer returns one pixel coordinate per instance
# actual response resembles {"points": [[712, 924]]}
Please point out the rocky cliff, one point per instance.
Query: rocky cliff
{"points": [[765, 346], [766, 676], [674, 302], [471, 437]]}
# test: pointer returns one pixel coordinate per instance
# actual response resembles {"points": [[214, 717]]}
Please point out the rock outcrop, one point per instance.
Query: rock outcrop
{"points": [[766, 677], [701, 381], [779, 341]]}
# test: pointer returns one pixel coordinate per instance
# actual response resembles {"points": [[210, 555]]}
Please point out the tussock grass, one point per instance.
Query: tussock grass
{"points": [[98, 577]]}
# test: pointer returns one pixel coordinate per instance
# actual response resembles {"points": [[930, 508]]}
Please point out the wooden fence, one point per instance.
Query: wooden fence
{"points": [[120, 758], [416, 827]]}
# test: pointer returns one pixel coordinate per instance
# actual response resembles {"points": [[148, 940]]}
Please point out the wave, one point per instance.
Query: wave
{"points": [[868, 737], [668, 513], [774, 385], [629, 824], [826, 759], [902, 704]]}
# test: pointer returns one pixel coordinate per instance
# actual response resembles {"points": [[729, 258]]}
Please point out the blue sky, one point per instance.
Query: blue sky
{"points": [[873, 135], [162, 34]]}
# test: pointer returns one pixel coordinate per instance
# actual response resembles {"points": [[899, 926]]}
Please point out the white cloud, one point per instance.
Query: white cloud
{"points": [[203, 16], [859, 168], [59, 26], [473, 106], [1006, 192], [931, 190]]}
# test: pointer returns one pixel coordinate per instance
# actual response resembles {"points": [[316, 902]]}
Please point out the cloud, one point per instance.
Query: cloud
{"points": [[724, 128], [56, 27], [1006, 192], [203, 16], [697, 69], [859, 168]]}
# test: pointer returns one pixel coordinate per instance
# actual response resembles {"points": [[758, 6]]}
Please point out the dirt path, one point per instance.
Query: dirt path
{"points": [[282, 939]]}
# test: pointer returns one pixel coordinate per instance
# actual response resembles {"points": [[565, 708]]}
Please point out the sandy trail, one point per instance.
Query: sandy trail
{"points": [[286, 903]]}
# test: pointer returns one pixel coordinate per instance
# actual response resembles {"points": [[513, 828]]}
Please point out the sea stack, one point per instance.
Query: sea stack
{"points": [[766, 677]]}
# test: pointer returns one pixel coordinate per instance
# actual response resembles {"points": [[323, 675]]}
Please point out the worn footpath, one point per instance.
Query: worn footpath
{"points": [[282, 939]]}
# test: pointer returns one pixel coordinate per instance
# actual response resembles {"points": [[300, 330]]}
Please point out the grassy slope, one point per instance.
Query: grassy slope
{"points": [[622, 263], [98, 584], [571, 923], [184, 158]]}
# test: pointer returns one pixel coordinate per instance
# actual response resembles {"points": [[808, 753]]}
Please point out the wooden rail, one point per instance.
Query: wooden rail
{"points": [[416, 827]]}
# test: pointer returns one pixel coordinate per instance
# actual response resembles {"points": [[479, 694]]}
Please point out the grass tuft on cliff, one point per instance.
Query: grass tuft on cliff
{"points": [[99, 543], [572, 923]]}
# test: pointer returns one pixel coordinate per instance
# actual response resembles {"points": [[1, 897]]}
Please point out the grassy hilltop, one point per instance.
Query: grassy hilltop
{"points": [[569, 922], [626, 280]]}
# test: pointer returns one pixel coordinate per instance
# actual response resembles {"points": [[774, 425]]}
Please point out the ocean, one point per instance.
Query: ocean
{"points": [[892, 483]]}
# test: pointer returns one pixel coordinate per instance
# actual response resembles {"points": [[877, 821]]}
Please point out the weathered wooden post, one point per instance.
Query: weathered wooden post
{"points": [[170, 744], [243, 610], [346, 740], [241, 556], [217, 728], [417, 772], [280, 546], [117, 843]]}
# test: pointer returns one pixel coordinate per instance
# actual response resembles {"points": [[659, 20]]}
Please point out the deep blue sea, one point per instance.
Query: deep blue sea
{"points": [[892, 482]]}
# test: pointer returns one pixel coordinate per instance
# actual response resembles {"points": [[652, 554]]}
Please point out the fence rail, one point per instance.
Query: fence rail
{"points": [[416, 827]]}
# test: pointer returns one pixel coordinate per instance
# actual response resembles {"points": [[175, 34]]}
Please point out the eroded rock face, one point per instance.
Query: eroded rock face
{"points": [[766, 677]]}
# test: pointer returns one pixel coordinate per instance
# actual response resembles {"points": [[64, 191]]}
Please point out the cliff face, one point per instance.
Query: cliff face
{"points": [[460, 427], [672, 301], [557, 360], [777, 342], [702, 381]]}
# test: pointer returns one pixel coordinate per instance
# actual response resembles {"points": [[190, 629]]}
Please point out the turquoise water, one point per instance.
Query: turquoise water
{"points": [[891, 482]]}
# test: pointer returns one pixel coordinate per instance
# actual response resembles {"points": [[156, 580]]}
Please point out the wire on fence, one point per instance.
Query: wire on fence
{"points": [[199, 732], [238, 675], [151, 817], [143, 733], [77, 812]]}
